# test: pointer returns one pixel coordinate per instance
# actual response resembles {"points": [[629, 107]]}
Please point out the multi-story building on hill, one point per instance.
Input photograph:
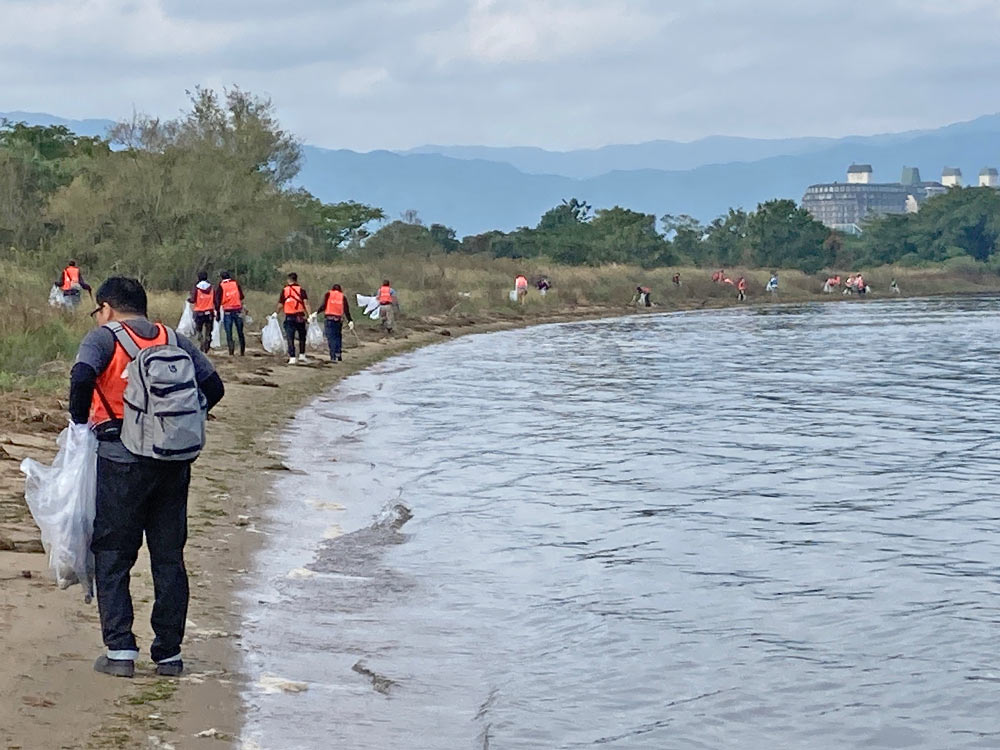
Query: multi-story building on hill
{"points": [[844, 206]]}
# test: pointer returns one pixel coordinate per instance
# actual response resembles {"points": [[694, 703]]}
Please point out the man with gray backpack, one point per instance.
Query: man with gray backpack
{"points": [[146, 391]]}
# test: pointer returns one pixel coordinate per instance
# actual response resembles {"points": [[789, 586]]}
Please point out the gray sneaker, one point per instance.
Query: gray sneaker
{"points": [[115, 667], [170, 668]]}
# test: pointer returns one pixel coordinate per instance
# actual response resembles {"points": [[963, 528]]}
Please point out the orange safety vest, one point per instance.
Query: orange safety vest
{"points": [[231, 301], [204, 300], [385, 295], [335, 303], [741, 284], [521, 283], [111, 383], [293, 300], [71, 276]]}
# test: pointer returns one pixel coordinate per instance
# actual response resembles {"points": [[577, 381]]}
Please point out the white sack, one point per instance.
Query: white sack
{"points": [[271, 337], [315, 338], [56, 297], [62, 500], [186, 325], [216, 342]]}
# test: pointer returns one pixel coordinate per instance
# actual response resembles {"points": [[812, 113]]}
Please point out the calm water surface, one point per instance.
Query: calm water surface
{"points": [[754, 529]]}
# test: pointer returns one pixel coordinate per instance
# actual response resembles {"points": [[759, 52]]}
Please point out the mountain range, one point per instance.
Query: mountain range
{"points": [[478, 188]]}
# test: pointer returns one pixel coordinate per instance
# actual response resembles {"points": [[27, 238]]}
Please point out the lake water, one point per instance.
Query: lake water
{"points": [[746, 528]]}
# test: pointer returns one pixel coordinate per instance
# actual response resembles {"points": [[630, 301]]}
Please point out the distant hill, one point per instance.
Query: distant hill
{"points": [[513, 187], [80, 127], [675, 155], [476, 195]]}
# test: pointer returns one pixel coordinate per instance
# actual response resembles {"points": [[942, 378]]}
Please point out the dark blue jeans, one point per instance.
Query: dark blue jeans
{"points": [[334, 336], [144, 497], [229, 320], [295, 327]]}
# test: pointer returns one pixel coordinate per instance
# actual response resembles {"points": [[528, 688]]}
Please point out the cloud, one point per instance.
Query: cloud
{"points": [[395, 73], [523, 31]]}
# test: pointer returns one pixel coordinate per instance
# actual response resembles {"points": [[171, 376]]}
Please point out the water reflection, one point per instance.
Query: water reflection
{"points": [[739, 528]]}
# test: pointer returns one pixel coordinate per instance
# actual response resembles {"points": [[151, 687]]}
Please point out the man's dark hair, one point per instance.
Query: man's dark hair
{"points": [[202, 275], [225, 275], [337, 287], [294, 277], [71, 262], [124, 295], [385, 282]]}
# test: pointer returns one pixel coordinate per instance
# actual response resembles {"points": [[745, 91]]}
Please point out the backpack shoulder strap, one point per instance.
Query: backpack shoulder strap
{"points": [[171, 335], [122, 337]]}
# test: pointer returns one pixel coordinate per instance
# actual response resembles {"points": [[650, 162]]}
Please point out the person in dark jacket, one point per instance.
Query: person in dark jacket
{"points": [[136, 496]]}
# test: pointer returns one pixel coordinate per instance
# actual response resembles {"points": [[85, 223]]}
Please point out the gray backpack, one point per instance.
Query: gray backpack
{"points": [[164, 408]]}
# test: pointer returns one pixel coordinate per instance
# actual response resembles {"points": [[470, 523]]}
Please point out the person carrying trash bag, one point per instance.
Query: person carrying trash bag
{"points": [[70, 283], [146, 391], [335, 309], [202, 299], [229, 299], [294, 302]]}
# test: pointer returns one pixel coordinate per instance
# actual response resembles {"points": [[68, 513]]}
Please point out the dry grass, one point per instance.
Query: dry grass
{"points": [[37, 342]]}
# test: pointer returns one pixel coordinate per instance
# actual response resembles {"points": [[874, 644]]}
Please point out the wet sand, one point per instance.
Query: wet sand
{"points": [[50, 696]]}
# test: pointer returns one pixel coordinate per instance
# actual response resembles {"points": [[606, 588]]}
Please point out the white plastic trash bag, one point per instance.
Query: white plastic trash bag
{"points": [[370, 305], [62, 500], [216, 335], [271, 337], [513, 295], [186, 325], [56, 297], [315, 337]]}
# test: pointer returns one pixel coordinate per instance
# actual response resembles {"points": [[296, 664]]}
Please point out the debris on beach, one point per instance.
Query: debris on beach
{"points": [[270, 683]]}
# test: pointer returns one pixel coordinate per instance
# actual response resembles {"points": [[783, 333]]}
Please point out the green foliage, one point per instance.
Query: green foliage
{"points": [[330, 226], [963, 221], [782, 235]]}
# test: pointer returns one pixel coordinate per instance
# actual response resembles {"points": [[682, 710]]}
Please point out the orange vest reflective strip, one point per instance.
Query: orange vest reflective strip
{"points": [[204, 300], [111, 383], [293, 300], [385, 295], [335, 303], [71, 276], [231, 296], [521, 283]]}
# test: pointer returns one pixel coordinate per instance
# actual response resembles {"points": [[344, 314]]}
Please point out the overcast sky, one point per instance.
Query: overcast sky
{"points": [[555, 73]]}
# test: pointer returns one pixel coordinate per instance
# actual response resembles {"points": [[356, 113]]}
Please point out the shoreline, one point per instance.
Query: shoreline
{"points": [[53, 637]]}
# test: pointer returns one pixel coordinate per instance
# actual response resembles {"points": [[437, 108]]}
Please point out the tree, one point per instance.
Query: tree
{"points": [[782, 235], [332, 225], [727, 239], [444, 237], [686, 234], [621, 235], [205, 191]]}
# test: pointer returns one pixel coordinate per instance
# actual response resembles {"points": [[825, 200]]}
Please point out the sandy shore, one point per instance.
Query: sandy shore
{"points": [[49, 695]]}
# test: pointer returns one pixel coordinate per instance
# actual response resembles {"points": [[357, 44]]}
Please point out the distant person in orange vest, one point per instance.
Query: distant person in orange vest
{"points": [[294, 303], [521, 287], [229, 299], [71, 282], [336, 309], [387, 304], [741, 289], [202, 299]]}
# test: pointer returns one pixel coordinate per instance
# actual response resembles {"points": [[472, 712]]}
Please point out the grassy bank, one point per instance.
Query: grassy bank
{"points": [[37, 342]]}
